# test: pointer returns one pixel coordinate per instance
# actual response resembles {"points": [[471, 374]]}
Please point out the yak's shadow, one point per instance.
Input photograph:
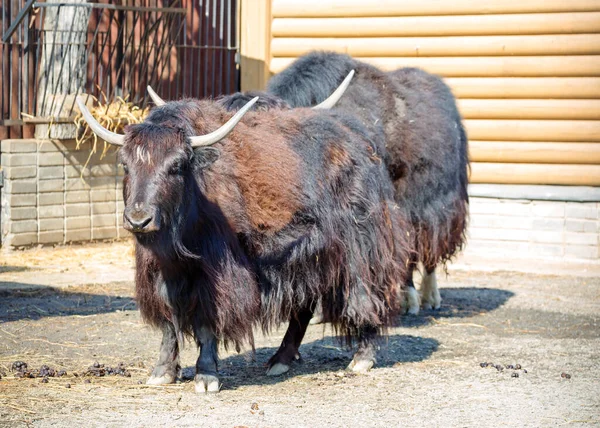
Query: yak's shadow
{"points": [[459, 302], [326, 355], [320, 356], [21, 301], [8, 269]]}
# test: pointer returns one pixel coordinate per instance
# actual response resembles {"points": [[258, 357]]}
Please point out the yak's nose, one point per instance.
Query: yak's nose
{"points": [[139, 223], [139, 220]]}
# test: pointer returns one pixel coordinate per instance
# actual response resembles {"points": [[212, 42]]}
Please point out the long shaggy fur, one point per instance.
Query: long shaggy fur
{"points": [[194, 273], [236, 101], [294, 207], [426, 144]]}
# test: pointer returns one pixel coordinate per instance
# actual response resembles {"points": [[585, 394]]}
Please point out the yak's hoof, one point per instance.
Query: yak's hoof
{"points": [[437, 300], [413, 310], [278, 369], [206, 383], [317, 319], [165, 379], [360, 366], [432, 302]]}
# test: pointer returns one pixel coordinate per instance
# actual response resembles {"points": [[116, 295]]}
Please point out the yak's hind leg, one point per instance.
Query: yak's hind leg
{"points": [[167, 368], [430, 295], [413, 301], [365, 357], [288, 351], [206, 379]]}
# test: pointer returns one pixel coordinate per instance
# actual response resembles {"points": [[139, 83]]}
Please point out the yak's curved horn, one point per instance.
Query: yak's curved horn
{"points": [[157, 100], [337, 94], [108, 136], [219, 134]]}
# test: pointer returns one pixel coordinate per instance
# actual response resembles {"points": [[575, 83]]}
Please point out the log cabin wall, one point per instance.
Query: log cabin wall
{"points": [[526, 74], [527, 78]]}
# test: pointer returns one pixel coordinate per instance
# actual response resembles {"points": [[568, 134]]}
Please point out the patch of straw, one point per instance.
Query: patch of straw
{"points": [[114, 116]]}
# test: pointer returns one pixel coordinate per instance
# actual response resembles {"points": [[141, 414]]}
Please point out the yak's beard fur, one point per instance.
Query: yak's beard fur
{"points": [[193, 274]]}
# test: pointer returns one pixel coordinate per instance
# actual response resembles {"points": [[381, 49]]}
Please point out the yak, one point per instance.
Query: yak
{"points": [[412, 114], [425, 143], [256, 223]]}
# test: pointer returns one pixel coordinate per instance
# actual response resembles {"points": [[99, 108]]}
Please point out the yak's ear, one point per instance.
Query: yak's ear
{"points": [[206, 156]]}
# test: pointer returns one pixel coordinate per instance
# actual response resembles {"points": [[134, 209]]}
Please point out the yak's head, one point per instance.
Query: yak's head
{"points": [[160, 163]]}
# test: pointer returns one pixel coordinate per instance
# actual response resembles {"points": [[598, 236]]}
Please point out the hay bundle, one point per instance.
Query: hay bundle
{"points": [[114, 116]]}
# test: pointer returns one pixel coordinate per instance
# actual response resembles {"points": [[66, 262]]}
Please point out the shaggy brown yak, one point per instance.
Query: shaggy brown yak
{"points": [[413, 116], [255, 223]]}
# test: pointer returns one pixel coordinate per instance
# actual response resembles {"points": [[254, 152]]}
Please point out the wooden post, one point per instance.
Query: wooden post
{"points": [[483, 66], [445, 25], [60, 75], [449, 46], [526, 87], [535, 152], [523, 109], [362, 8], [529, 173], [255, 43], [533, 130]]}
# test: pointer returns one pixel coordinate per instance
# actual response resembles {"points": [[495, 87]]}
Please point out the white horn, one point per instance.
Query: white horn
{"points": [[157, 100], [335, 97], [219, 134], [108, 136]]}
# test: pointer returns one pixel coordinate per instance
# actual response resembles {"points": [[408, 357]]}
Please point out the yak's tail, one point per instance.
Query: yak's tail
{"points": [[311, 78]]}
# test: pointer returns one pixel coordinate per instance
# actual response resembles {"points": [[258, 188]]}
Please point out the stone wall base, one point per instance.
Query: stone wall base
{"points": [[512, 228], [55, 193]]}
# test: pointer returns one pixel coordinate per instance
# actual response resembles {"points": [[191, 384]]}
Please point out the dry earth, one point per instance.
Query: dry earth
{"points": [[72, 306]]}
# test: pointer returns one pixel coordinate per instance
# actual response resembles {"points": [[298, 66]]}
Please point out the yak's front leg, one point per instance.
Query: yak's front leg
{"points": [[365, 357], [167, 368], [206, 367], [288, 351]]}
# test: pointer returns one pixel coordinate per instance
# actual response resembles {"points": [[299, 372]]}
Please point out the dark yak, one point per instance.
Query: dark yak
{"points": [[413, 116], [255, 224]]}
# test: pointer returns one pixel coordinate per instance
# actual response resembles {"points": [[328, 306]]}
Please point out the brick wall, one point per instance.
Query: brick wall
{"points": [[539, 229], [54, 193]]}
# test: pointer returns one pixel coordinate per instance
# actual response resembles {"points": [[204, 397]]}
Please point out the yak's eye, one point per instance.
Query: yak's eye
{"points": [[177, 168], [125, 169]]}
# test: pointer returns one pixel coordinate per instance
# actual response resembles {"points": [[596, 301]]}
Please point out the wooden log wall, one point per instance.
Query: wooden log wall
{"points": [[526, 74]]}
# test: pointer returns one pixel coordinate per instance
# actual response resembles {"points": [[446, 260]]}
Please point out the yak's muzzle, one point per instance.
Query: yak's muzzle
{"points": [[138, 219]]}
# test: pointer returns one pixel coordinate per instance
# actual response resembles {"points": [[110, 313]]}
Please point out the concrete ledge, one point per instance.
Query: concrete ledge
{"points": [[513, 229], [536, 265], [540, 193]]}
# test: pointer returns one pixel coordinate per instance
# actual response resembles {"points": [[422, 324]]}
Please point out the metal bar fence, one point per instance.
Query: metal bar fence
{"points": [[52, 52]]}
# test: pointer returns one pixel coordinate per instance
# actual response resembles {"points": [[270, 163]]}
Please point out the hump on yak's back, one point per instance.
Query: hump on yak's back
{"points": [[311, 79], [430, 87], [266, 101], [431, 111]]}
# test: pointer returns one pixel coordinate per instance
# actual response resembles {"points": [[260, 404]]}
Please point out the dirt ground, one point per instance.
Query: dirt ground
{"points": [[72, 306]]}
